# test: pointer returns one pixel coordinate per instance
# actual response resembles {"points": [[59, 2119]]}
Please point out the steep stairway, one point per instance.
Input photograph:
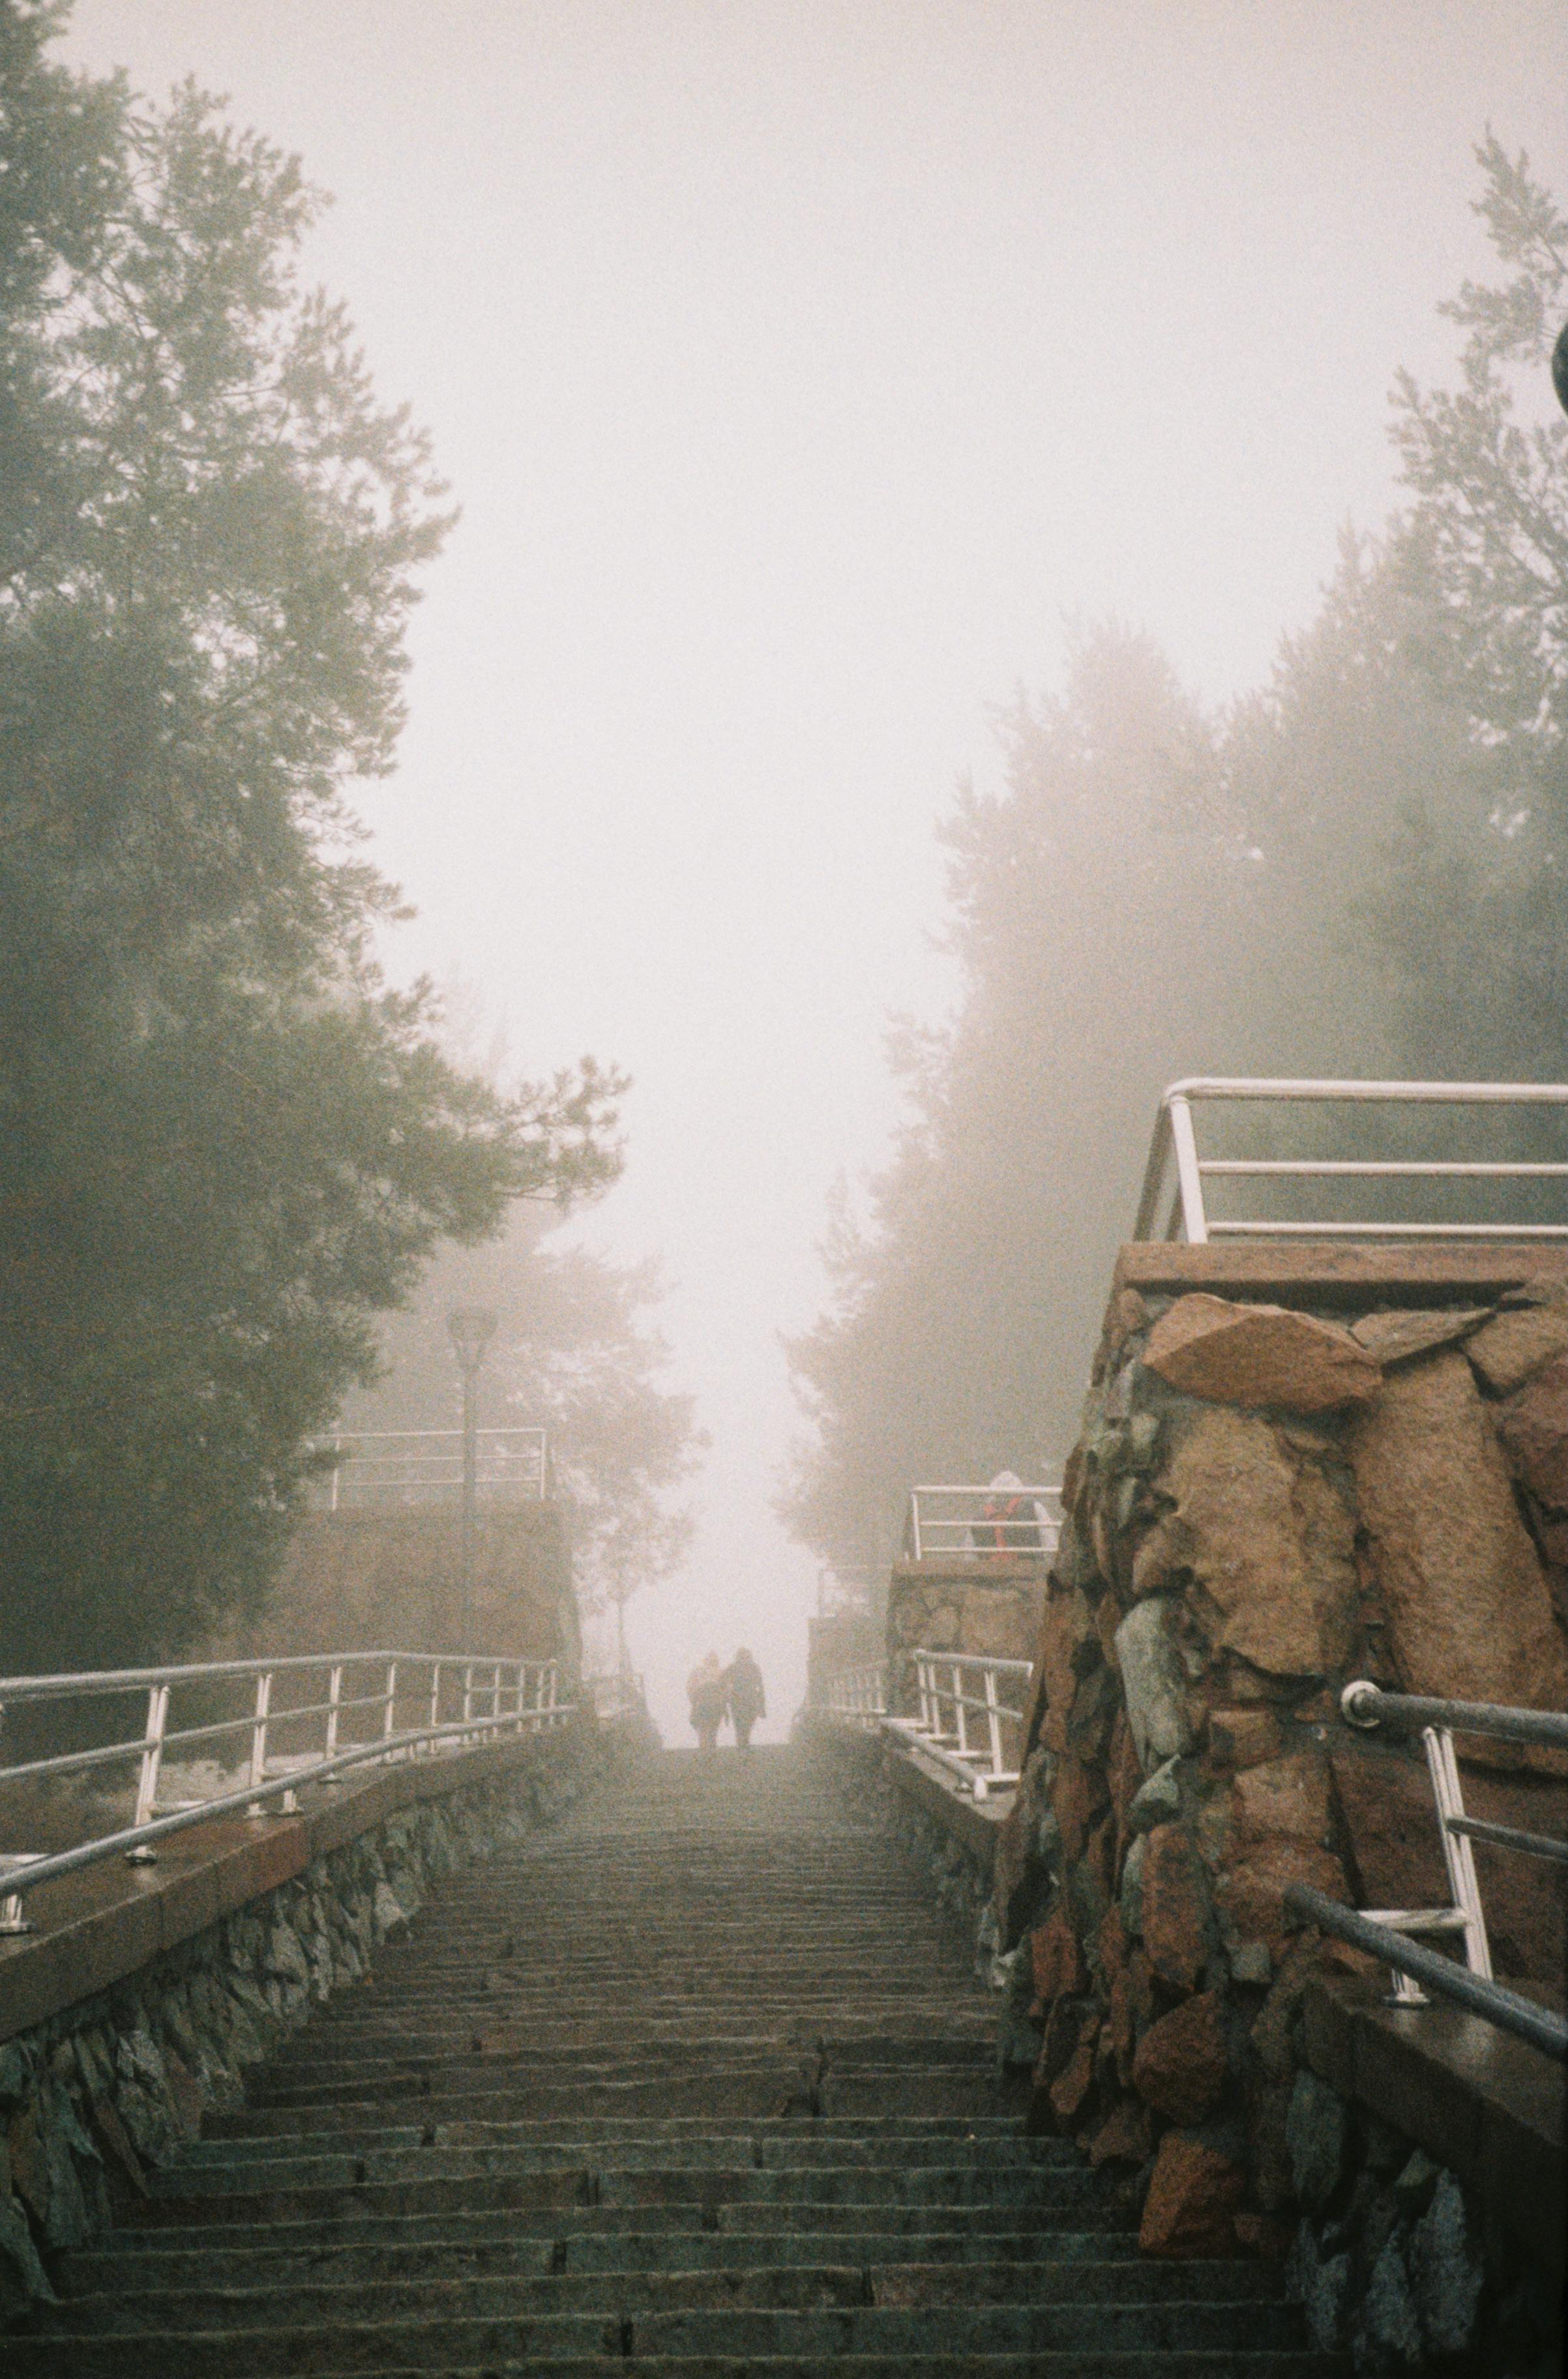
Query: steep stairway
{"points": [[699, 2085]]}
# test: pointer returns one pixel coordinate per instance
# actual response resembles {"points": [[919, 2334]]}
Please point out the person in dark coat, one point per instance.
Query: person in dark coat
{"points": [[743, 1690]]}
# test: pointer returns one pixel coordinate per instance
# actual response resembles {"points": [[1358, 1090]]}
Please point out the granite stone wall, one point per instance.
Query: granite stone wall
{"points": [[1267, 1500]]}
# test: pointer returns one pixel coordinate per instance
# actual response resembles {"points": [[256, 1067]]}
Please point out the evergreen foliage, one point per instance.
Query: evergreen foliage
{"points": [[1358, 869], [223, 1141]]}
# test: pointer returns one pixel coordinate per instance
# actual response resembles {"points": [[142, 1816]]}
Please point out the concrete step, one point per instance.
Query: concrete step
{"points": [[615, 2288], [445, 2342], [699, 2086]]}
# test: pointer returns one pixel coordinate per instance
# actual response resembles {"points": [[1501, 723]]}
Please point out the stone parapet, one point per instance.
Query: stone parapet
{"points": [[1298, 1465], [960, 1602]]}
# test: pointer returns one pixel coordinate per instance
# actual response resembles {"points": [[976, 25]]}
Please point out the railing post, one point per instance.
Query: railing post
{"points": [[1188, 1173], [993, 1721], [435, 1692], [960, 1714], [467, 1693], [259, 1739], [1458, 1857], [389, 1719], [143, 1854]]}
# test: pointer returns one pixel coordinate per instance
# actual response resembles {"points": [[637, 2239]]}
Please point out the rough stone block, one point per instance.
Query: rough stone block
{"points": [[1260, 1355], [1174, 1907], [1269, 1543], [1181, 2066], [1468, 1610], [1195, 2193], [1516, 1343]]}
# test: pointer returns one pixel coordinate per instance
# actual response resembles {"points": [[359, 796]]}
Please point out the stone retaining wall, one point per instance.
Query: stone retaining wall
{"points": [[1363, 1471], [105, 2085], [960, 1602]]}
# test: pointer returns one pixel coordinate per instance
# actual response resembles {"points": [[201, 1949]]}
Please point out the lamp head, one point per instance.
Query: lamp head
{"points": [[472, 1328]]}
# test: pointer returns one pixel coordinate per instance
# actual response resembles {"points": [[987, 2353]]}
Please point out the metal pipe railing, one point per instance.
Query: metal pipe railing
{"points": [[1510, 2011], [858, 1697], [943, 1520], [1365, 1704], [523, 1696], [1175, 1147], [426, 1465]]}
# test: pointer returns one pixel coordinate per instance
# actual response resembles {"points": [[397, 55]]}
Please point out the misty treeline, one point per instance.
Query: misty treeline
{"points": [[226, 1143], [1358, 868]]}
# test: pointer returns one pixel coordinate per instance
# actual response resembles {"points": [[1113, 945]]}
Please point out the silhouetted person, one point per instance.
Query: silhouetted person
{"points": [[742, 1685], [704, 1690]]}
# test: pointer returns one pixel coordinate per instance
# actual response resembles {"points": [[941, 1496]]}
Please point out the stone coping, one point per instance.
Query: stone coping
{"points": [[1487, 2105], [1349, 1272], [975, 1569], [973, 1825], [95, 1927]]}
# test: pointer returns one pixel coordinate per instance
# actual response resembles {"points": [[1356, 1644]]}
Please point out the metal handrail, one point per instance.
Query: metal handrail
{"points": [[1175, 1143], [415, 1473], [1365, 1704], [859, 1694], [928, 1533], [492, 1693], [1510, 2011], [981, 1768]]}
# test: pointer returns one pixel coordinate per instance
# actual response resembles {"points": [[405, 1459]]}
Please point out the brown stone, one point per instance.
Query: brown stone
{"points": [[1107, 1618], [1251, 1897], [1140, 1985], [1154, 1563], [1123, 2138], [1055, 1962], [1534, 1426], [1400, 1336], [1100, 1854], [1181, 2065], [1064, 2026], [1282, 1796], [1194, 2197], [1468, 1610], [1517, 1344], [1112, 1943], [1385, 1803], [1256, 1355], [1070, 2089], [1076, 1796], [1122, 2027], [1065, 1623], [1242, 1737], [1269, 1543], [1124, 1773], [1173, 1907], [1271, 2033]]}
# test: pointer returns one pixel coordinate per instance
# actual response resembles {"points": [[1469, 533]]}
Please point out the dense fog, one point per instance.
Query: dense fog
{"points": [[894, 440]]}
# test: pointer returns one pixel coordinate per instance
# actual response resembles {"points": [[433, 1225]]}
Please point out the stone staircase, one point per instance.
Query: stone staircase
{"points": [[699, 2085]]}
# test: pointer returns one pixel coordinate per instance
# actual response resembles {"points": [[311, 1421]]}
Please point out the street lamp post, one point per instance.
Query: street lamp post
{"points": [[472, 1328]]}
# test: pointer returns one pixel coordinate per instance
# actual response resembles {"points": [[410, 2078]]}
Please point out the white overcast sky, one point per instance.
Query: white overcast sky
{"points": [[798, 364]]}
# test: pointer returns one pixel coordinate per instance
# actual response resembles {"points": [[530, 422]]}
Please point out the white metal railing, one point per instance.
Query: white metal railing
{"points": [[962, 1719], [617, 1694], [1177, 1170], [843, 1591], [1387, 1932], [373, 1467], [985, 1521], [454, 1698], [858, 1697]]}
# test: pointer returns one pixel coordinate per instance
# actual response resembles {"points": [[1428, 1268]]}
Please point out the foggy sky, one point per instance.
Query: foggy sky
{"points": [[796, 367]]}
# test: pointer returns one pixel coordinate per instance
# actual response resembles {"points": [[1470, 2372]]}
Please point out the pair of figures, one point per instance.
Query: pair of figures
{"points": [[716, 1692]]}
